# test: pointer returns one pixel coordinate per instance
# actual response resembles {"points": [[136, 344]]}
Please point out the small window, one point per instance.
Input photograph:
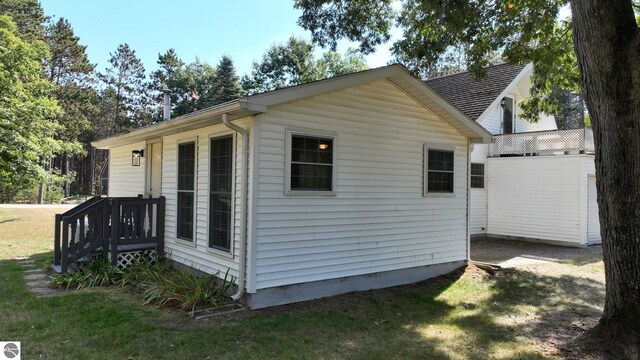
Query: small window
{"points": [[507, 116], [311, 163], [221, 179], [477, 175], [186, 187], [439, 171]]}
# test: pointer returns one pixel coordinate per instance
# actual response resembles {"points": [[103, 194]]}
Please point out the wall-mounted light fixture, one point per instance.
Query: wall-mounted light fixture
{"points": [[503, 102], [135, 157]]}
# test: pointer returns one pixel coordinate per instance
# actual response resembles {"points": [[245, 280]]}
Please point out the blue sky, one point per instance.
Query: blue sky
{"points": [[242, 29]]}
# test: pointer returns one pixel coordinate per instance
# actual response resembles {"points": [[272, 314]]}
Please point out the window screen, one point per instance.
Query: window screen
{"points": [[439, 171], [186, 185], [221, 179], [477, 175], [311, 163]]}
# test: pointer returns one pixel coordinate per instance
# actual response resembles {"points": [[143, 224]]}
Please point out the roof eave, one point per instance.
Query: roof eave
{"points": [[235, 109]]}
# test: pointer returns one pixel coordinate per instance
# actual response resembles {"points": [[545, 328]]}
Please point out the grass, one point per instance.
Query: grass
{"points": [[462, 316]]}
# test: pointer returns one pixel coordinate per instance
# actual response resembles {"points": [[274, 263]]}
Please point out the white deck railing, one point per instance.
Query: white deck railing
{"points": [[554, 142]]}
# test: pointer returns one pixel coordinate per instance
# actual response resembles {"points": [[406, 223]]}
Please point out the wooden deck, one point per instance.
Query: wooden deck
{"points": [[110, 226]]}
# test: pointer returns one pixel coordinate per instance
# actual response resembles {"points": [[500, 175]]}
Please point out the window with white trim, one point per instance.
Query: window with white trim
{"points": [[221, 184], [311, 164], [477, 175], [440, 171], [186, 189]]}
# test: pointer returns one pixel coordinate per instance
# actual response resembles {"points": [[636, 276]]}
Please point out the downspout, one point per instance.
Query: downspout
{"points": [[468, 200], [243, 206]]}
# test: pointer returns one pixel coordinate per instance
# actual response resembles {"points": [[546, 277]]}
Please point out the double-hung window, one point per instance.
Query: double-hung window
{"points": [[221, 179], [186, 189], [439, 171], [477, 175], [311, 166]]}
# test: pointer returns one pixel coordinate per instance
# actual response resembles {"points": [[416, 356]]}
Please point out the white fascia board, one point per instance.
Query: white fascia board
{"points": [[524, 72]]}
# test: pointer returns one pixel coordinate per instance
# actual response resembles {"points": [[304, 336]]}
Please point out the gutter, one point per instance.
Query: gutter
{"points": [[242, 261]]}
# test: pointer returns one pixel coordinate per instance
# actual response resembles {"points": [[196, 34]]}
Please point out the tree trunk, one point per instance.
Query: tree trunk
{"points": [[606, 39]]}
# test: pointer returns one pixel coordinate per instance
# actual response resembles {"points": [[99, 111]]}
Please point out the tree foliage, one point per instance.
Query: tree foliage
{"points": [[124, 98], [197, 85], [477, 30], [227, 81], [28, 17], [28, 116], [294, 63], [71, 72]]}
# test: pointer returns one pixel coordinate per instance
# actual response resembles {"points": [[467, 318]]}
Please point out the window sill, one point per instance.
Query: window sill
{"points": [[443, 195], [310, 193], [184, 242], [220, 253]]}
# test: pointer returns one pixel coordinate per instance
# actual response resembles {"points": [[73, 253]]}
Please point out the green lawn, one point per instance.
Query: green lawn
{"points": [[463, 316]]}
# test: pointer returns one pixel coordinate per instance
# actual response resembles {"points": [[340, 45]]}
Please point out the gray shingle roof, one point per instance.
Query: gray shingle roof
{"points": [[472, 97]]}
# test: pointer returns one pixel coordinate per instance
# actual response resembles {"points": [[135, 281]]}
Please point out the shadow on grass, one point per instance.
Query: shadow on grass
{"points": [[592, 258], [451, 317]]}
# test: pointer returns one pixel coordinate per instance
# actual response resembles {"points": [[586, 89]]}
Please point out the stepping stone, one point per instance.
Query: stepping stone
{"points": [[22, 258], [36, 276], [43, 291], [39, 283], [34, 271]]}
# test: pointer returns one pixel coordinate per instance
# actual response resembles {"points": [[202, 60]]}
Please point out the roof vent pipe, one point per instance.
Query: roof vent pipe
{"points": [[166, 113]]}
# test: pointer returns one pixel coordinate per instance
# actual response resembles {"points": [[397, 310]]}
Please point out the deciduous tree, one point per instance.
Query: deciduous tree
{"points": [[294, 63], [28, 115], [602, 37]]}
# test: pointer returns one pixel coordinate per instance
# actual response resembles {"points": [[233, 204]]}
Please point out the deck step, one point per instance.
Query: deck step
{"points": [[136, 247]]}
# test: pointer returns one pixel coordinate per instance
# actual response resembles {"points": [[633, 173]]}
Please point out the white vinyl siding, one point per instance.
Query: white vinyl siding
{"points": [[538, 197], [126, 180], [478, 211], [378, 219], [198, 254]]}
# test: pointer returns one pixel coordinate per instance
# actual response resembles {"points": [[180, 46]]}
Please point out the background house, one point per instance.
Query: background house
{"points": [[350, 183], [533, 182]]}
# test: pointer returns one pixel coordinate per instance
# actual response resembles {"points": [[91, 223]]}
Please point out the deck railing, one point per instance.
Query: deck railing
{"points": [[108, 224], [542, 143]]}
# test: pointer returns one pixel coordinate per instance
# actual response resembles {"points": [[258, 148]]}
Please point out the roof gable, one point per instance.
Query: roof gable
{"points": [[474, 96], [256, 104]]}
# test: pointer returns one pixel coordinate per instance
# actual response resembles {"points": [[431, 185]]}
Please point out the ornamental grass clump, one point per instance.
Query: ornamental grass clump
{"points": [[156, 280]]}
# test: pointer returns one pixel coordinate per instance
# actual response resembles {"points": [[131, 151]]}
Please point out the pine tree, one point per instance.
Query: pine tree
{"points": [[124, 99], [227, 81]]}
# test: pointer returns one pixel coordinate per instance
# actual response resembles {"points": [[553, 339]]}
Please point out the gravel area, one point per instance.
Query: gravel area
{"points": [[514, 253]]}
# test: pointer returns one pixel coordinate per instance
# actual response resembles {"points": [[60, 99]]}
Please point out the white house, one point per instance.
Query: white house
{"points": [[345, 184], [533, 182]]}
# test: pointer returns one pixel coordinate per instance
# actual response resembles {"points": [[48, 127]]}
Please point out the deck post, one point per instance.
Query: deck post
{"points": [[56, 240], [160, 225], [105, 230], [115, 230], [64, 261]]}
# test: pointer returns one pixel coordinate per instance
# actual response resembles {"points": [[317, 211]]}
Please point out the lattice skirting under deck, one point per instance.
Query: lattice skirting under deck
{"points": [[126, 259]]}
